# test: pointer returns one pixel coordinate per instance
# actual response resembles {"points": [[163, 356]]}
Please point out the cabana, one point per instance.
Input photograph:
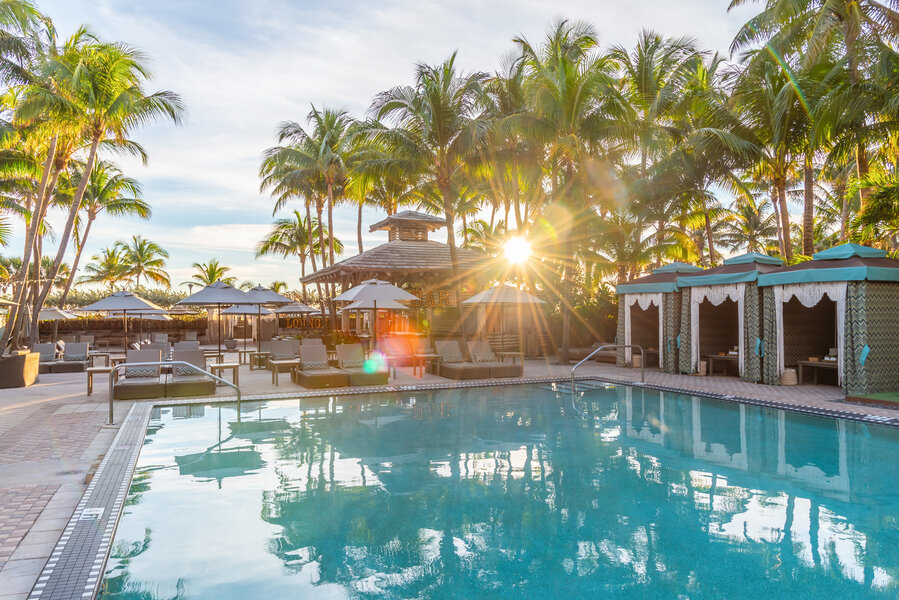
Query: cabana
{"points": [[835, 313], [649, 310], [720, 311]]}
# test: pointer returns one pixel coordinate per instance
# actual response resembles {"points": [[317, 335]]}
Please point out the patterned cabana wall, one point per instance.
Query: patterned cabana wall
{"points": [[864, 285], [659, 288]]}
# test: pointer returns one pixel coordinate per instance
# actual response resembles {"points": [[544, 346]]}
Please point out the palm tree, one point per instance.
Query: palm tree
{"points": [[290, 237], [103, 93], [145, 259], [751, 227], [436, 133], [209, 272], [108, 268], [565, 83], [108, 191], [810, 30], [279, 287]]}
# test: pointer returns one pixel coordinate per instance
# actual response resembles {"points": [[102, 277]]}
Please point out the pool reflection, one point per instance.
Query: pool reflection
{"points": [[505, 493]]}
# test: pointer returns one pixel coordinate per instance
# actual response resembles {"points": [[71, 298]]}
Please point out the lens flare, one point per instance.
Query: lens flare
{"points": [[517, 250]]}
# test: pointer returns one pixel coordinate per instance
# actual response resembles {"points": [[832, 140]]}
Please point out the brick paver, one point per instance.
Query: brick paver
{"points": [[19, 509]]}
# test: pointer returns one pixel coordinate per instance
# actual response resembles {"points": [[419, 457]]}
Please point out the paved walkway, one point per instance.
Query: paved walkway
{"points": [[52, 435]]}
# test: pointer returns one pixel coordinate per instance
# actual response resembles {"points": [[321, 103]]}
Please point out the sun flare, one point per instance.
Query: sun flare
{"points": [[517, 250]]}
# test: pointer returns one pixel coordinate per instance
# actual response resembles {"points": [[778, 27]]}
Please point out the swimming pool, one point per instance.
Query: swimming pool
{"points": [[506, 492]]}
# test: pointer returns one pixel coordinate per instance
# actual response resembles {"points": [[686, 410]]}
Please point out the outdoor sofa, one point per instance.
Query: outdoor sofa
{"points": [[133, 383], [184, 381], [74, 359]]}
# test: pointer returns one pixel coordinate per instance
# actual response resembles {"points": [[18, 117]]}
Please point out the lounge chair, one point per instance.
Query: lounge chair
{"points": [[47, 354], [311, 342], [190, 336], [134, 383], [74, 359], [351, 360], [165, 350], [283, 357], [184, 381], [398, 350], [314, 370], [187, 345], [159, 338], [88, 339], [482, 354], [453, 365]]}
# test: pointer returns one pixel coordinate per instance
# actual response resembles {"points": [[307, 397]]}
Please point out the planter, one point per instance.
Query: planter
{"points": [[230, 344], [20, 370]]}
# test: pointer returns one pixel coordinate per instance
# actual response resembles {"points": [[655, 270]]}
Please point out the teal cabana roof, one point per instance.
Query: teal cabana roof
{"points": [[847, 262], [753, 257], [677, 267], [662, 279], [739, 269]]}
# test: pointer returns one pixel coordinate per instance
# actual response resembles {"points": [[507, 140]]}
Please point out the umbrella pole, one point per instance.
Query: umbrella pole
{"points": [[259, 327], [125, 331], [375, 304], [220, 329]]}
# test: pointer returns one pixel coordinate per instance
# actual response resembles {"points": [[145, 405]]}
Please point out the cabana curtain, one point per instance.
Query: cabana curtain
{"points": [[644, 301], [716, 294], [810, 294]]}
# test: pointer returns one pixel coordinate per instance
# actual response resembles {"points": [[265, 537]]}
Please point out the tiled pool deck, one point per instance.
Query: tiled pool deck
{"points": [[52, 435]]}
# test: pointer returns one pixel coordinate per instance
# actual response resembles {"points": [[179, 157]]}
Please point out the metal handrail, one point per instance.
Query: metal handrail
{"points": [[606, 347], [179, 363]]}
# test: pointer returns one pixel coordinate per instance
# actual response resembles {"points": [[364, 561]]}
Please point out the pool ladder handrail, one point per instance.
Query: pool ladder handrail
{"points": [[606, 347], [166, 363]]}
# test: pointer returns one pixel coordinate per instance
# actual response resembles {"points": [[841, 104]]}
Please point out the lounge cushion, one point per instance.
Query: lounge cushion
{"points": [[363, 377], [463, 371], [321, 378], [138, 388]]}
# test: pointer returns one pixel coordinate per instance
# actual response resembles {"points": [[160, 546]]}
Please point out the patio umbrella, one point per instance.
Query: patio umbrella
{"points": [[294, 308], [350, 294], [179, 311], [247, 309], [378, 294], [262, 295], [218, 294], [503, 295], [124, 302], [51, 313]]}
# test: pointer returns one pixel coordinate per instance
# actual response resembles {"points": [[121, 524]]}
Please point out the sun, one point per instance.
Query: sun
{"points": [[517, 250]]}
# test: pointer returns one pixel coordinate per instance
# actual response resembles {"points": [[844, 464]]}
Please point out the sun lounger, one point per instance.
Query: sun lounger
{"points": [[453, 364], [187, 345], [314, 370], [283, 357], [351, 360], [165, 350], [482, 354], [133, 383], [88, 339], [47, 354], [74, 359], [397, 349], [184, 381], [159, 338]]}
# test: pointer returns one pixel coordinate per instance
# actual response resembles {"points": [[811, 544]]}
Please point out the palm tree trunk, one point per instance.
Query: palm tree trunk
{"points": [[777, 221], [321, 242], [302, 277], [15, 314], [710, 238], [309, 228], [71, 279], [862, 167], [67, 232], [785, 218], [839, 189], [808, 207], [359, 227], [449, 214]]}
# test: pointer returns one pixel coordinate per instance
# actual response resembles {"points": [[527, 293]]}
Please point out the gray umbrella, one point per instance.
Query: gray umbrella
{"points": [[124, 302], [264, 296], [246, 310], [503, 295], [218, 294]]}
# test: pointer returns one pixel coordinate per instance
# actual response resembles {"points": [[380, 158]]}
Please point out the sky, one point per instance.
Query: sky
{"points": [[243, 67]]}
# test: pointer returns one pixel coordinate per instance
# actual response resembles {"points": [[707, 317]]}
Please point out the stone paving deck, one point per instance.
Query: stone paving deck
{"points": [[52, 434]]}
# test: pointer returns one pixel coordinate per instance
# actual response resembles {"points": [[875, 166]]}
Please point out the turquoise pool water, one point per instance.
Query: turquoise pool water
{"points": [[503, 492]]}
